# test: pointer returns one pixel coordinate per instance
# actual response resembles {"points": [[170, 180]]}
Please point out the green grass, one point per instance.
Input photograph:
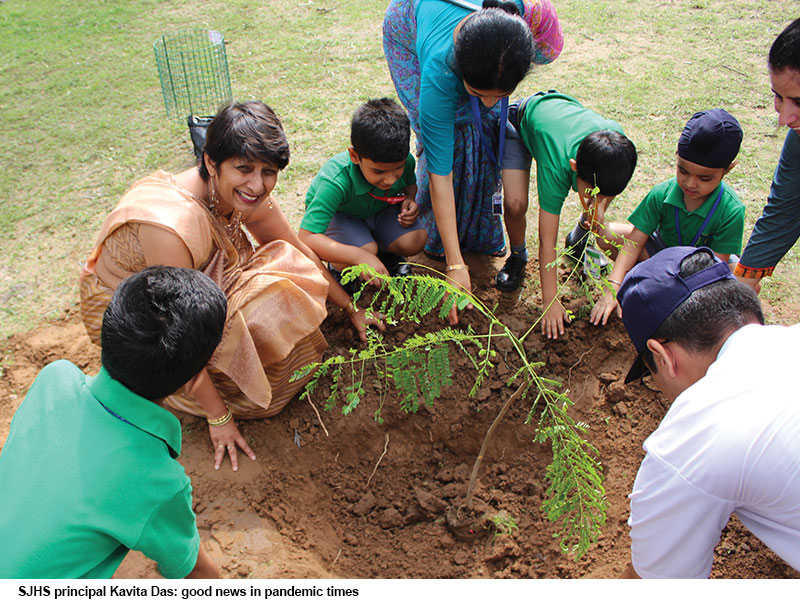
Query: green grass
{"points": [[83, 116]]}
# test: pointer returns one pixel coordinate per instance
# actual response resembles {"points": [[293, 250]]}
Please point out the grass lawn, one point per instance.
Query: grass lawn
{"points": [[83, 116]]}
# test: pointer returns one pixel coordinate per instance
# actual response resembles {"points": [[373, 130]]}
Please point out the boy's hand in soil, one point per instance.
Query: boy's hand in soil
{"points": [[374, 262], [408, 212], [360, 320], [553, 320], [603, 309]]}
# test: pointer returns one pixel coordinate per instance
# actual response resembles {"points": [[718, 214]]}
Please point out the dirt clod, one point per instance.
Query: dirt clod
{"points": [[390, 518], [620, 409], [445, 475], [429, 502], [615, 392], [607, 378], [364, 505]]}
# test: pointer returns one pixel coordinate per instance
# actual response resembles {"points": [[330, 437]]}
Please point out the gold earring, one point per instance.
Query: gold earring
{"points": [[270, 202], [213, 200]]}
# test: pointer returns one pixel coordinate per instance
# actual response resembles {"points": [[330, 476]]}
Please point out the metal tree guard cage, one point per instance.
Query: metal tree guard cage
{"points": [[193, 69]]}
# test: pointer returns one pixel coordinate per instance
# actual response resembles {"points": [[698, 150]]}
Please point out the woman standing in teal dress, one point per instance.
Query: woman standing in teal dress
{"points": [[452, 62]]}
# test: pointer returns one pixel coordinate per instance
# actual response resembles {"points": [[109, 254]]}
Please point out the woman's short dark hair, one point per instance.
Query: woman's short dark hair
{"points": [[701, 320], [380, 131], [494, 48], [161, 328], [606, 159], [248, 130], [785, 50]]}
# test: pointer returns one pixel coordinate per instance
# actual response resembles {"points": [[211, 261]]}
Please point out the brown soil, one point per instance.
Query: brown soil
{"points": [[375, 500]]}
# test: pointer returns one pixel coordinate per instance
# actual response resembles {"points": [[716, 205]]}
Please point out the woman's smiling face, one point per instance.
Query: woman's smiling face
{"points": [[242, 183]]}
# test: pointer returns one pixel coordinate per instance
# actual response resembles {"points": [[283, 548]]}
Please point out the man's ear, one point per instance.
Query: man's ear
{"points": [[573, 164], [354, 157], [665, 359]]}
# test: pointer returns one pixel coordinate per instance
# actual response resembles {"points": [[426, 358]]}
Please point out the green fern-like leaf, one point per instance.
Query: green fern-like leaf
{"points": [[575, 496], [432, 297], [354, 394], [447, 304], [302, 372], [406, 386], [330, 401], [439, 366]]}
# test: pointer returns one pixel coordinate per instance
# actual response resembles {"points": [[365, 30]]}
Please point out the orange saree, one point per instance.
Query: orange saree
{"points": [[276, 295]]}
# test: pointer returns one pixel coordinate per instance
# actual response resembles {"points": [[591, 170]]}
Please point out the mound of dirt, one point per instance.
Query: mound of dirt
{"points": [[345, 496]]}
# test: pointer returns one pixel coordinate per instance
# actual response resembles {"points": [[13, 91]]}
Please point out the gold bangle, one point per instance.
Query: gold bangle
{"points": [[449, 268], [350, 308], [223, 420]]}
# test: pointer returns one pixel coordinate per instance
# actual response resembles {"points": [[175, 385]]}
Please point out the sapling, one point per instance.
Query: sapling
{"points": [[594, 261], [419, 369]]}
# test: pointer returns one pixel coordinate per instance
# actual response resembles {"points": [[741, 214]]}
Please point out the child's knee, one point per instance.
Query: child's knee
{"points": [[618, 229], [371, 247], [410, 243], [515, 205]]}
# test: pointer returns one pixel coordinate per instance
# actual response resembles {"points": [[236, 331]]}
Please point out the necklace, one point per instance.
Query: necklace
{"points": [[234, 225]]}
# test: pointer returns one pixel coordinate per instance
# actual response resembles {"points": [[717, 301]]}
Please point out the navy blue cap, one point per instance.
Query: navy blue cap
{"points": [[654, 288], [711, 138]]}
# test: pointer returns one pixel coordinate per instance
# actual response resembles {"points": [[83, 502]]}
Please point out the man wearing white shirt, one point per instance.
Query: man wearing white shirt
{"points": [[730, 442]]}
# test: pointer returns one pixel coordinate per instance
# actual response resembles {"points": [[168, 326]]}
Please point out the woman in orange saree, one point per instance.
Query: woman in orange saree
{"points": [[222, 219]]}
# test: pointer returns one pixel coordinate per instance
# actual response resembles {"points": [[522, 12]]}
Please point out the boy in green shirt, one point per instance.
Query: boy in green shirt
{"points": [[575, 148], [360, 207], [694, 208], [89, 468]]}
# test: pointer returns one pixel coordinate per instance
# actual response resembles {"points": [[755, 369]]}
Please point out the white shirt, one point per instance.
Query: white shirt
{"points": [[729, 443]]}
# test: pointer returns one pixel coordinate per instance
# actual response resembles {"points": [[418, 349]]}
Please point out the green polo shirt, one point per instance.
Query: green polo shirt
{"points": [[340, 187], [724, 231], [88, 471], [552, 126]]}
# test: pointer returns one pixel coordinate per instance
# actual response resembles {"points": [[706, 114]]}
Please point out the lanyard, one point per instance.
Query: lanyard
{"points": [[476, 117], [703, 226], [389, 199]]}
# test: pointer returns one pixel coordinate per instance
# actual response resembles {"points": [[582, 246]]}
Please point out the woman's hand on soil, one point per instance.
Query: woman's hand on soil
{"points": [[553, 320], [603, 309], [361, 321], [226, 438], [459, 278]]}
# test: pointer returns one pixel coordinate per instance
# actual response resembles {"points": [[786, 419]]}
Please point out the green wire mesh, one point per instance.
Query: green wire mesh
{"points": [[193, 69]]}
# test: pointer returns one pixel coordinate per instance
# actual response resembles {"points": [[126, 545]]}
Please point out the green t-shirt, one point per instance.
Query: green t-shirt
{"points": [[340, 187], [88, 471], [724, 231], [552, 126]]}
